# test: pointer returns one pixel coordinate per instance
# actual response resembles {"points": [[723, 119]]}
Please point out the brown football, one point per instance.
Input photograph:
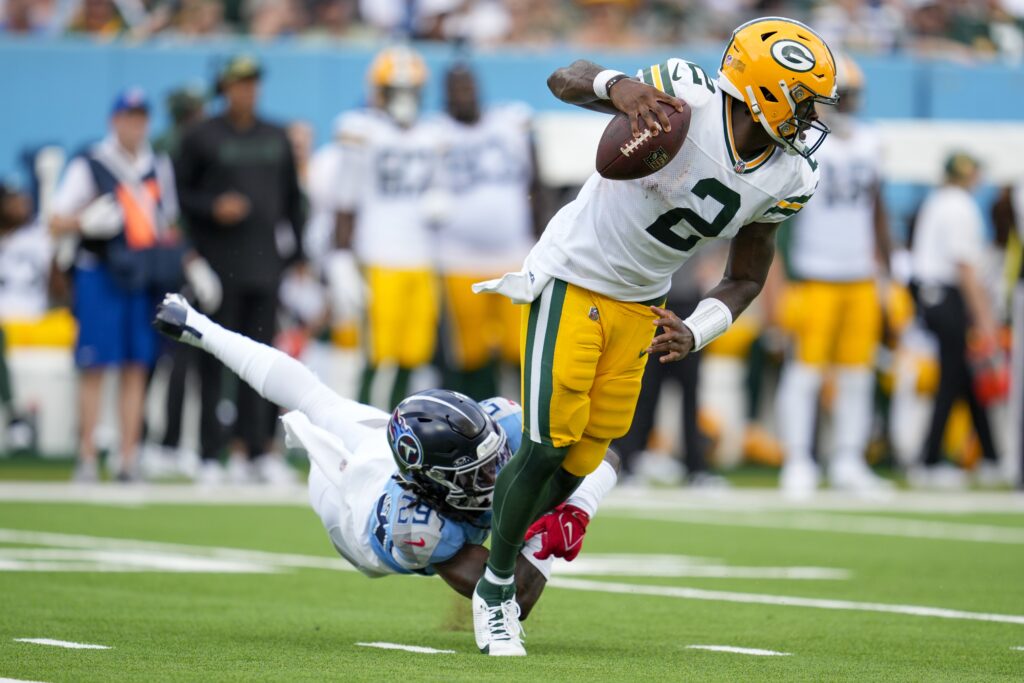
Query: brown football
{"points": [[620, 156]]}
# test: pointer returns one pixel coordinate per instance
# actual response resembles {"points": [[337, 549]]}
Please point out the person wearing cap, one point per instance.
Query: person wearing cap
{"points": [[237, 183], [947, 260], [116, 199]]}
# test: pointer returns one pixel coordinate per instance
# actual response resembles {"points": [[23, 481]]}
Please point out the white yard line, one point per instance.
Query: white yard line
{"points": [[756, 652], [62, 643], [408, 648], [57, 540], [16, 680], [623, 499], [781, 600], [848, 524], [1019, 648]]}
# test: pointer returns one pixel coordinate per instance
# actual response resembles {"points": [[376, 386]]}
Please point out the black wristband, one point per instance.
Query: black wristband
{"points": [[612, 81]]}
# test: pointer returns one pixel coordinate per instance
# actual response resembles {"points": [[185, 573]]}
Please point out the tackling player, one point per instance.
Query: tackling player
{"points": [[487, 163], [839, 246], [406, 493], [605, 261], [389, 160]]}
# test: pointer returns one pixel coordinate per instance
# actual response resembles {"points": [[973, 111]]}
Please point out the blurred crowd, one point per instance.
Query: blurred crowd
{"points": [[951, 28], [359, 255]]}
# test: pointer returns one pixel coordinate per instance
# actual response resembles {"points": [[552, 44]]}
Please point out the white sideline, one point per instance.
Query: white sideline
{"points": [[620, 499], [62, 643], [408, 648], [782, 600], [849, 524], [740, 650], [16, 680]]}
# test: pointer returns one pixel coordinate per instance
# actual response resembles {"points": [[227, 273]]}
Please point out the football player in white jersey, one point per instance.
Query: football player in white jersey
{"points": [[405, 493], [595, 282], [487, 179], [389, 162], [838, 249]]}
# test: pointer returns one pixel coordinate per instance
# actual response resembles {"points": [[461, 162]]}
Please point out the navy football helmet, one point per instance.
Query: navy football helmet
{"points": [[448, 451]]}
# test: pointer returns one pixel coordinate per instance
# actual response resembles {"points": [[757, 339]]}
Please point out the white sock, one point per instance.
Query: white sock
{"points": [[594, 488], [491, 577], [543, 566], [795, 409], [851, 418]]}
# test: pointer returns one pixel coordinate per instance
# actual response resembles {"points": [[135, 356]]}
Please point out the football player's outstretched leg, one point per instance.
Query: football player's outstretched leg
{"points": [[594, 285], [409, 492]]}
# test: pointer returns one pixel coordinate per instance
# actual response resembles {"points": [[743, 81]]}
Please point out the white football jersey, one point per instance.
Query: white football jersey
{"points": [[487, 169], [25, 257], [384, 175], [625, 238], [834, 238]]}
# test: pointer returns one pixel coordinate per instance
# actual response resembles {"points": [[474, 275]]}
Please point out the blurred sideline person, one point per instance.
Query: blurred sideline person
{"points": [[946, 259], [839, 249], [237, 182], [487, 230], [25, 255], [389, 162], [118, 199], [1008, 215], [186, 107]]}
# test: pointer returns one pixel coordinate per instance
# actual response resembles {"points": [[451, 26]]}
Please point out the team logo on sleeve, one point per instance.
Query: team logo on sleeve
{"points": [[793, 55]]}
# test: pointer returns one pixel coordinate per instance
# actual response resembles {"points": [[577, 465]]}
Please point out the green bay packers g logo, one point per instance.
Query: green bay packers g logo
{"points": [[793, 55]]}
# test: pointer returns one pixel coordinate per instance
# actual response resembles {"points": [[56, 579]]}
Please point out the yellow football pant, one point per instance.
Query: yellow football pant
{"points": [[582, 365], [401, 316], [479, 326], [834, 322]]}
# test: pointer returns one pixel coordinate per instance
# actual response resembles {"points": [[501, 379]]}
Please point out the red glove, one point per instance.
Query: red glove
{"points": [[561, 532]]}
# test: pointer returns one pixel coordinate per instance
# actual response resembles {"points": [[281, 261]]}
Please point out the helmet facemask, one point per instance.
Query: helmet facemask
{"points": [[792, 131]]}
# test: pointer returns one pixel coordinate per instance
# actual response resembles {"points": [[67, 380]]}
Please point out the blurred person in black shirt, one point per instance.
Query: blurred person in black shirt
{"points": [[237, 182]]}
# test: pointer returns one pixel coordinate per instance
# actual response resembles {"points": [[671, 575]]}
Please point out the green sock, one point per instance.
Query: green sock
{"points": [[528, 473], [366, 384], [557, 491], [400, 389], [6, 395]]}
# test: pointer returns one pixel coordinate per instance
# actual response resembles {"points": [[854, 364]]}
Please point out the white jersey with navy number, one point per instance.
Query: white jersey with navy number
{"points": [[487, 168], [833, 239], [25, 255], [384, 174], [373, 522], [625, 238]]}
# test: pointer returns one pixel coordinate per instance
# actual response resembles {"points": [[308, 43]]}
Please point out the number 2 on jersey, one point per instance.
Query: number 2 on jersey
{"points": [[661, 228]]}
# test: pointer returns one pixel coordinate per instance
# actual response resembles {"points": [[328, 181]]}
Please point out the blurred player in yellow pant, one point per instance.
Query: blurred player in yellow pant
{"points": [[387, 164], [832, 308], [488, 230]]}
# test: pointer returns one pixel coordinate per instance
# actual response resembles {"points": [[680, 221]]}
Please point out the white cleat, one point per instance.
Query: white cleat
{"points": [[856, 477], [239, 470], [272, 469], [799, 480], [496, 621], [210, 474]]}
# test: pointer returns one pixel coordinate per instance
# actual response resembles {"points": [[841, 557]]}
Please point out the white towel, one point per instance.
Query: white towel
{"points": [[522, 287]]}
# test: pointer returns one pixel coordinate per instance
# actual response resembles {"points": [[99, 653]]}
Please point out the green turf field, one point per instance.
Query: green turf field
{"points": [[168, 589]]}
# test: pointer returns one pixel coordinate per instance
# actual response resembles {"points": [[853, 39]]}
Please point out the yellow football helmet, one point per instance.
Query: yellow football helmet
{"points": [[397, 67], [780, 68], [849, 77]]}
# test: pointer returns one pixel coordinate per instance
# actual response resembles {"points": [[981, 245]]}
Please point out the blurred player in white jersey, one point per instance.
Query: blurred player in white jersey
{"points": [[840, 244], [389, 162], [487, 231]]}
